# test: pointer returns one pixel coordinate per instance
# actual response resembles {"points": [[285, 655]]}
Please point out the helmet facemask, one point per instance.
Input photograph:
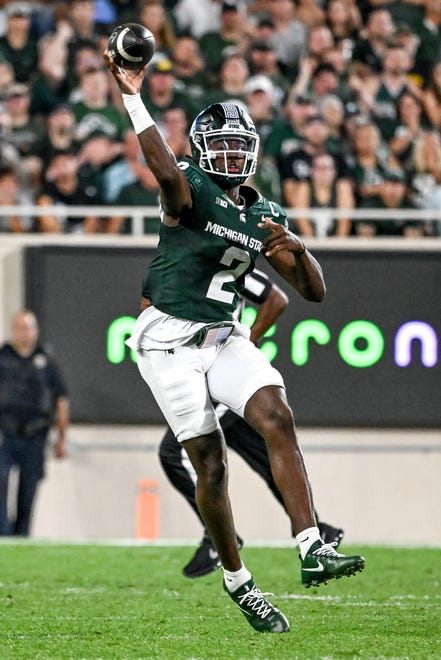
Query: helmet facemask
{"points": [[227, 153]]}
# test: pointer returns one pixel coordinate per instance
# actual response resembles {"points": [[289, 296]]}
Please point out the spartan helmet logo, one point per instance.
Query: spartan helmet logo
{"points": [[224, 143]]}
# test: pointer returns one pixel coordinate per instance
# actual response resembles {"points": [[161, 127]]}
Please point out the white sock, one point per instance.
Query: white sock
{"points": [[306, 538], [235, 579]]}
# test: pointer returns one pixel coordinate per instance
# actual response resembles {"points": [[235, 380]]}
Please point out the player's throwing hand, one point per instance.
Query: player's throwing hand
{"points": [[129, 82], [280, 239]]}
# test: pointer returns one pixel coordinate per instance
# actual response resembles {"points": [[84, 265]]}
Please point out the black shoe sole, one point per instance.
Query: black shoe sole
{"points": [[347, 573]]}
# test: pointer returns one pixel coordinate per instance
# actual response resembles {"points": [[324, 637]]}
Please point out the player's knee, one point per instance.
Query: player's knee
{"points": [[214, 474], [277, 422]]}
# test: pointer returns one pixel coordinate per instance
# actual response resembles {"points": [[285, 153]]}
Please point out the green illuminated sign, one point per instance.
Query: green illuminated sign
{"points": [[118, 331], [369, 336], [305, 332], [360, 343]]}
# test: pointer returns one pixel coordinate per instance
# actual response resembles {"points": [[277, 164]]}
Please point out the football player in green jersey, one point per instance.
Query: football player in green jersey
{"points": [[191, 349]]}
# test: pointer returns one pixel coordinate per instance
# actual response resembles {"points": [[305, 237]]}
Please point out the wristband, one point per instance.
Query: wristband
{"points": [[140, 116]]}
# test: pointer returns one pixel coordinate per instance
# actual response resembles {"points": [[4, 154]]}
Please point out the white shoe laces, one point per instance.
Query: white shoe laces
{"points": [[256, 601], [327, 550]]}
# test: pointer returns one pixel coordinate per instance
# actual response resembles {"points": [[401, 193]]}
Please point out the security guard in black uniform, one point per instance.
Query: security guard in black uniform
{"points": [[32, 396]]}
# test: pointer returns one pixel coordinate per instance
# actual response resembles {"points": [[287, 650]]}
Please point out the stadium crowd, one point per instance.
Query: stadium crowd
{"points": [[345, 95]]}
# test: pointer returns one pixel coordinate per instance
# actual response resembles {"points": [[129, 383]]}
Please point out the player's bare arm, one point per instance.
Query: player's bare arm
{"points": [[175, 191], [268, 312], [288, 255]]}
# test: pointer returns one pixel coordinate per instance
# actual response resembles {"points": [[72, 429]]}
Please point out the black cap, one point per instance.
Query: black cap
{"points": [[304, 99], [265, 21], [229, 6], [161, 65], [261, 44], [324, 67], [62, 107]]}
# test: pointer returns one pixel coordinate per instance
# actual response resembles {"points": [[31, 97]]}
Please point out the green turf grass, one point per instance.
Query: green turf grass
{"points": [[97, 601]]}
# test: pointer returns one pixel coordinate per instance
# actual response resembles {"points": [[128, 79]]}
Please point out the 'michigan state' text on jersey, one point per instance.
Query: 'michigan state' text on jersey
{"points": [[201, 264]]}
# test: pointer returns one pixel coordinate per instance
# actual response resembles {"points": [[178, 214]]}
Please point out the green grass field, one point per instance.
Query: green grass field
{"points": [[98, 601]]}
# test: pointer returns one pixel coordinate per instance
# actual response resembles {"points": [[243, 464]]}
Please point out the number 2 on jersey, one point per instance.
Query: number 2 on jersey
{"points": [[215, 290]]}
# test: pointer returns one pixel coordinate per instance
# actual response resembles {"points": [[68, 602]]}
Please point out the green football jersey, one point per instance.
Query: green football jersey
{"points": [[201, 264]]}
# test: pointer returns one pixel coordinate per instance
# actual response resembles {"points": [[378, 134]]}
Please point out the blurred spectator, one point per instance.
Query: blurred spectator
{"points": [[393, 196], [95, 112], [25, 130], [160, 91], [260, 101], [324, 81], [428, 32], [344, 20], [374, 170], [259, 98], [425, 182], [406, 11], [406, 38], [62, 187], [332, 109], [362, 81], [264, 29], [59, 134], [142, 192], [262, 60], [267, 178], [12, 195], [371, 45], [382, 100], [153, 15], [290, 35], [310, 13], [43, 17], [324, 190], [102, 167], [8, 153], [232, 37], [320, 41], [431, 97], [17, 46], [233, 77], [79, 26], [197, 18], [85, 59], [143, 188], [339, 56], [50, 86], [287, 133], [297, 165], [189, 69], [410, 127], [174, 126]]}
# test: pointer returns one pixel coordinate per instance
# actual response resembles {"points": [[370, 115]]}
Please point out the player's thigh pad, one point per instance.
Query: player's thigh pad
{"points": [[239, 370], [177, 381]]}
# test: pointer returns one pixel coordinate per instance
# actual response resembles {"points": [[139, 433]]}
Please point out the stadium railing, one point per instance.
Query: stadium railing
{"points": [[138, 213]]}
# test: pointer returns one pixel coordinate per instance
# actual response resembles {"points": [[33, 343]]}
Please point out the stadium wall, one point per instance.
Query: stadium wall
{"points": [[381, 484]]}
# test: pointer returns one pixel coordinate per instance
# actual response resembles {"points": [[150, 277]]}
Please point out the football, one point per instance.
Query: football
{"points": [[131, 46]]}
